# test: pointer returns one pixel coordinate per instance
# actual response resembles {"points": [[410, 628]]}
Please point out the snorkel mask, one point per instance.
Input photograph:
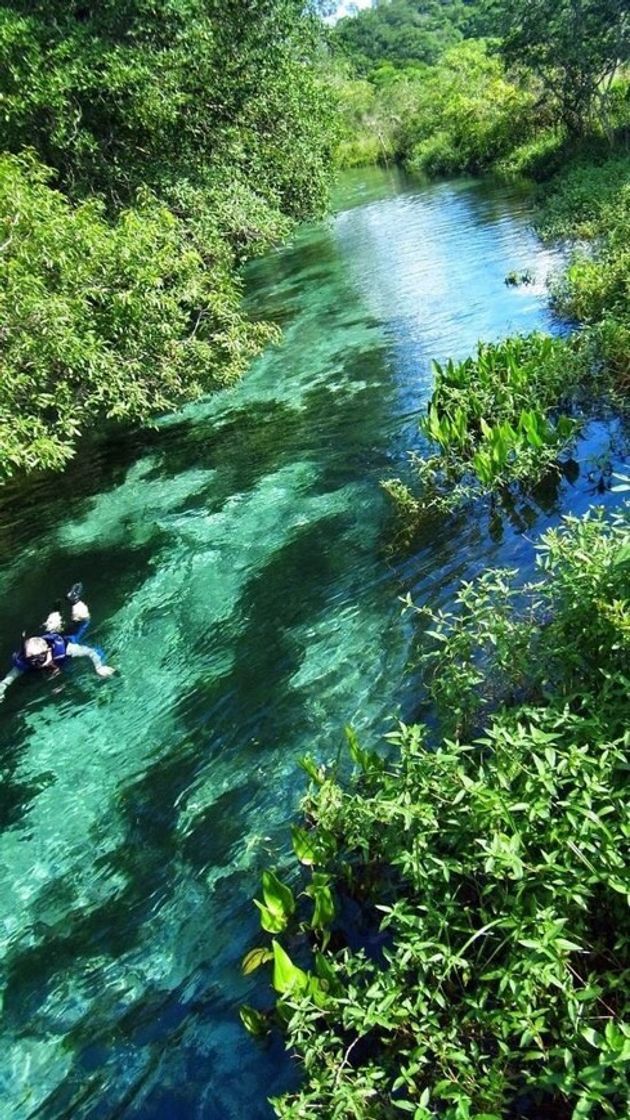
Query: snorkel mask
{"points": [[35, 651]]}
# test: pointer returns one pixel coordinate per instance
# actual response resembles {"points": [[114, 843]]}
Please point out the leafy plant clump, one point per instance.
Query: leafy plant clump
{"points": [[488, 418], [591, 203], [487, 974], [501, 421], [461, 113]]}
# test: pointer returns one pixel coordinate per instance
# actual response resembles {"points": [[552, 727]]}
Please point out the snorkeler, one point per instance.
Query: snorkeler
{"points": [[50, 652]]}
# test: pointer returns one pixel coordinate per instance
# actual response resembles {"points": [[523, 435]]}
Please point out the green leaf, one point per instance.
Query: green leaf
{"points": [[358, 755], [303, 845], [253, 960], [287, 977], [253, 1021], [324, 909], [327, 975], [315, 773], [317, 991], [270, 922], [568, 946], [278, 897]]}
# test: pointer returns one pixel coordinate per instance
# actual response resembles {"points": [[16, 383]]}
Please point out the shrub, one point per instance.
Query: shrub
{"points": [[120, 319], [592, 202], [489, 969], [586, 199], [538, 158], [467, 114]]}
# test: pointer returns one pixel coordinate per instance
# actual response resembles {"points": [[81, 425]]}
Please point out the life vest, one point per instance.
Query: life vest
{"points": [[57, 645]]}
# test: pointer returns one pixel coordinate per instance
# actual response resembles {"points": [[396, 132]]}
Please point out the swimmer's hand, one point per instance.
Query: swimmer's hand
{"points": [[105, 671], [80, 611]]}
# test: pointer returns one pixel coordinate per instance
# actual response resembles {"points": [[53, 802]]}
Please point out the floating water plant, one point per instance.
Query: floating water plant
{"points": [[488, 420]]}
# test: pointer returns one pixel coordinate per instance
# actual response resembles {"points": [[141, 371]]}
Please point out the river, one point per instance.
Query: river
{"points": [[236, 563]]}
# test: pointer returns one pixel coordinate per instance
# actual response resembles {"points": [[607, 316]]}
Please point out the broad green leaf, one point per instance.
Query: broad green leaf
{"points": [[278, 897], [303, 845], [326, 973], [270, 921], [287, 977], [324, 909]]}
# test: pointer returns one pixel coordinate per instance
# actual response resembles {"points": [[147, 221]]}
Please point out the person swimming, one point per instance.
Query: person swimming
{"points": [[52, 650]]}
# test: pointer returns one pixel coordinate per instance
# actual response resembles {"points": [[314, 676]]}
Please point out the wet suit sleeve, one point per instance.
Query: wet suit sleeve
{"points": [[74, 650]]}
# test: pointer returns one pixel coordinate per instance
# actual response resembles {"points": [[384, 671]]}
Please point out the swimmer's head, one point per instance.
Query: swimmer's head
{"points": [[36, 651]]}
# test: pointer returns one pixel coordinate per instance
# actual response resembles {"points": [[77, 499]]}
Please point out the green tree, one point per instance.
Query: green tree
{"points": [[114, 96], [574, 46], [401, 32], [203, 129], [102, 319]]}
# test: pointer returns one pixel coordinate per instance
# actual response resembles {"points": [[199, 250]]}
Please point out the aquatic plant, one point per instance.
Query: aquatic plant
{"points": [[515, 279], [489, 967], [488, 417]]}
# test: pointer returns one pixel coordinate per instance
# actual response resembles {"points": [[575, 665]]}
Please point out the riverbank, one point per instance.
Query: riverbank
{"points": [[506, 419], [460, 943], [470, 112], [453, 939], [501, 422]]}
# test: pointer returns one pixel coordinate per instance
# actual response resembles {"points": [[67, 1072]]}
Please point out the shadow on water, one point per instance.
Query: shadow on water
{"points": [[237, 568]]}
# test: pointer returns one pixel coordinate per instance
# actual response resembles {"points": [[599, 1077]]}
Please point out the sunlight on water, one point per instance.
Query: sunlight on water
{"points": [[236, 566]]}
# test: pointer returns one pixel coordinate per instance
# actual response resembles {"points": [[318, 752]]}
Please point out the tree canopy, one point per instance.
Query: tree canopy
{"points": [[152, 91], [402, 32], [575, 46], [166, 141]]}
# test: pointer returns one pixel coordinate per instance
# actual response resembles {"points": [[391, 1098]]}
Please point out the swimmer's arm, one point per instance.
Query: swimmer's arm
{"points": [[74, 650], [11, 676]]}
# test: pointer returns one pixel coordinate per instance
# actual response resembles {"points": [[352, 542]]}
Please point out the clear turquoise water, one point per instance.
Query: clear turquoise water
{"points": [[236, 565]]}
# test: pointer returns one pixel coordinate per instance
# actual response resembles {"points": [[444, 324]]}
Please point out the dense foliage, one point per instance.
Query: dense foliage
{"points": [[441, 101], [462, 114], [118, 319], [115, 96], [402, 32], [592, 203], [484, 969], [184, 135], [574, 46], [459, 944]]}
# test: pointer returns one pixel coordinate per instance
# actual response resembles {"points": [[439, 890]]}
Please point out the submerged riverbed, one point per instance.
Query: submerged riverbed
{"points": [[236, 564]]}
